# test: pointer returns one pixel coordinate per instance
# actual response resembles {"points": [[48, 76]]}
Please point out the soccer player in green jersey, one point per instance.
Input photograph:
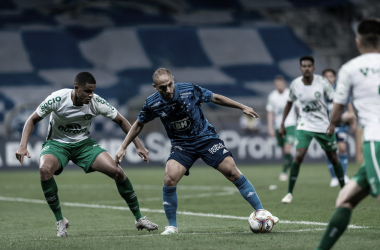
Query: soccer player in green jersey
{"points": [[277, 100], [311, 91], [71, 113], [359, 76]]}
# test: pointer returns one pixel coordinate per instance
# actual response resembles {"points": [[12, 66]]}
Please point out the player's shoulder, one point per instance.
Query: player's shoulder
{"points": [[319, 78], [153, 100], [272, 94], [296, 81], [185, 86]]}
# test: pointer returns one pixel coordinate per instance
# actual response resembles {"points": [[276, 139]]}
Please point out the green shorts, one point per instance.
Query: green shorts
{"points": [[289, 137], [368, 176], [304, 138], [82, 153]]}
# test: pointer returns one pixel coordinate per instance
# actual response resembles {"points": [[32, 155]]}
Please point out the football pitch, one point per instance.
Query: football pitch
{"points": [[211, 212]]}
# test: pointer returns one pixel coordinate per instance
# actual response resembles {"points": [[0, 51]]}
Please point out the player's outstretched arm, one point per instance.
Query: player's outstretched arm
{"points": [[26, 132], [126, 127], [227, 102], [132, 134], [282, 130], [270, 118], [335, 117]]}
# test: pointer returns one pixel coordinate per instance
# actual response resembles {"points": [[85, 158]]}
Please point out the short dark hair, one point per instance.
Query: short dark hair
{"points": [[84, 77], [369, 32], [328, 70], [279, 78], [307, 58], [159, 72]]}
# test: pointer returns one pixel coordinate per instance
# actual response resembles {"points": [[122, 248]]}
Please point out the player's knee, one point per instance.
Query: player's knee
{"points": [[119, 175], [170, 181], [46, 172], [299, 157]]}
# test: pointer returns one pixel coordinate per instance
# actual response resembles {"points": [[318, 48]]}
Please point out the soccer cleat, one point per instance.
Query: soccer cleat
{"points": [[144, 223], [61, 227], [287, 199], [283, 177], [346, 179], [334, 182], [170, 230]]}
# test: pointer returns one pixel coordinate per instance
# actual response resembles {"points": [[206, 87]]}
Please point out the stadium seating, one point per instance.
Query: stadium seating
{"points": [[226, 46]]}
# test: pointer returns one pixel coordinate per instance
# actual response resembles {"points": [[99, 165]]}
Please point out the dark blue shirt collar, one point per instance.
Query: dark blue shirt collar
{"points": [[175, 97]]}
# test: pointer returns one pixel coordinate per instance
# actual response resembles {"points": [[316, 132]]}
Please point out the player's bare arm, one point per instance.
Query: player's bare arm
{"points": [[349, 116], [282, 130], [132, 134], [335, 117], [227, 102], [126, 126], [26, 132], [270, 118]]}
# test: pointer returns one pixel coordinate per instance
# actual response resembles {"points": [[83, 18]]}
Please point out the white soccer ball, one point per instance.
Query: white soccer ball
{"points": [[261, 221]]}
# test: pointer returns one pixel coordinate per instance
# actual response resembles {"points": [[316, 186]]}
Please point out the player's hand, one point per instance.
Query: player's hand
{"points": [[20, 153], [249, 111], [330, 130], [143, 153], [120, 155], [271, 133], [282, 131]]}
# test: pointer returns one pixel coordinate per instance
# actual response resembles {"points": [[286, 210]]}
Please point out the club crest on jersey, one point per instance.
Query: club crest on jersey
{"points": [[317, 94], [181, 124], [73, 128], [88, 117]]}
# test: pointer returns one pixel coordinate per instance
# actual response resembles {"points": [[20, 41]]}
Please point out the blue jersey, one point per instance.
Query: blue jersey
{"points": [[183, 116]]}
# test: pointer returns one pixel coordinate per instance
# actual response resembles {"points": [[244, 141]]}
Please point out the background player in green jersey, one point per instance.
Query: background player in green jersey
{"points": [[360, 76], [311, 91], [277, 100], [71, 113]]}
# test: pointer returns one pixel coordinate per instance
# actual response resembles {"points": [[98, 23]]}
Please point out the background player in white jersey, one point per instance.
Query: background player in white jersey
{"points": [[277, 100], [341, 130], [361, 76], [311, 91], [71, 112]]}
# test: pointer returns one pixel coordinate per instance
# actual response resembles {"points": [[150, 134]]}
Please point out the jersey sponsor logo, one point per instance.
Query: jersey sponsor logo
{"points": [[73, 128], [184, 95], [181, 124], [317, 94], [365, 71], [311, 107], [45, 105], [87, 117], [102, 101], [216, 147]]}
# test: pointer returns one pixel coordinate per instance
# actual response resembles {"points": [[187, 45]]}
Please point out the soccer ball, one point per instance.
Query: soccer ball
{"points": [[261, 221]]}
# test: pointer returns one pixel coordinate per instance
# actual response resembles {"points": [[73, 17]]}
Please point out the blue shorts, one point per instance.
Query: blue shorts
{"points": [[211, 151], [341, 133]]}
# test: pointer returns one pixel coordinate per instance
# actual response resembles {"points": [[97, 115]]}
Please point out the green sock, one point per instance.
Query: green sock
{"points": [[126, 191], [338, 223], [339, 173], [288, 159], [51, 195], [294, 170]]}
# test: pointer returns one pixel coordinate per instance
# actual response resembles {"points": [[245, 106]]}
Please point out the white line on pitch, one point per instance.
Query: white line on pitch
{"points": [[71, 204], [181, 197]]}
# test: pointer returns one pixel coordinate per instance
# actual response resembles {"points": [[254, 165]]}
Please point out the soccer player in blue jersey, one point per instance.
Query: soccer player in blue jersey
{"points": [[191, 136], [341, 131]]}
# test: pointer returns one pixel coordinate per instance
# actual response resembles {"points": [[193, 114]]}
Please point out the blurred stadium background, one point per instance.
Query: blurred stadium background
{"points": [[232, 47]]}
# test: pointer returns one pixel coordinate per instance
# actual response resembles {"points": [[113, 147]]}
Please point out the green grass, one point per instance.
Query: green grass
{"points": [[25, 225]]}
